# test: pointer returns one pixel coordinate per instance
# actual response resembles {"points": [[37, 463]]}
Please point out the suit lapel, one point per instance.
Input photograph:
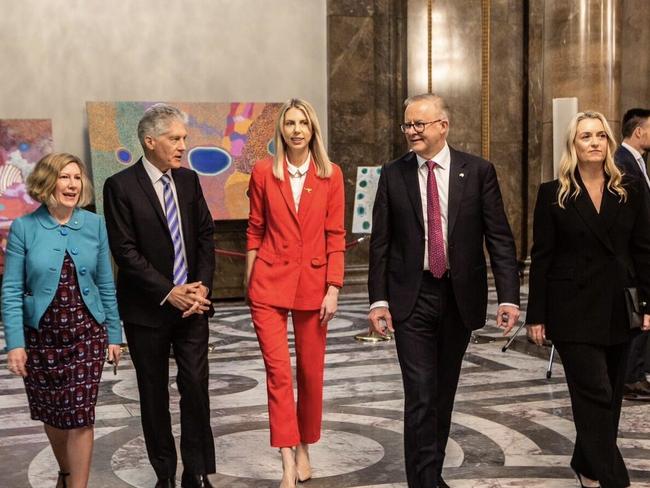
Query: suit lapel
{"points": [[409, 169], [456, 188], [147, 188], [309, 189], [285, 189], [596, 222]]}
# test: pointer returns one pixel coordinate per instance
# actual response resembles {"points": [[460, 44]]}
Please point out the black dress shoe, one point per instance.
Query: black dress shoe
{"points": [[441, 483], [639, 391], [166, 483], [195, 481]]}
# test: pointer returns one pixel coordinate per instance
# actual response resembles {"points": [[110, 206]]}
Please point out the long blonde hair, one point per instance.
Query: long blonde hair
{"points": [[569, 187], [316, 145]]}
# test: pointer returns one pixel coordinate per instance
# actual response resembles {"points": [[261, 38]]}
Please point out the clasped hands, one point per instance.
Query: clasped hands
{"points": [[190, 298]]}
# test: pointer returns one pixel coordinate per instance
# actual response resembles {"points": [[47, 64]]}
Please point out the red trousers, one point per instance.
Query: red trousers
{"points": [[290, 425]]}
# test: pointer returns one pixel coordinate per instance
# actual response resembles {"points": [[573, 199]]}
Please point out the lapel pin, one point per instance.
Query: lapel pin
{"points": [[308, 190], [461, 175]]}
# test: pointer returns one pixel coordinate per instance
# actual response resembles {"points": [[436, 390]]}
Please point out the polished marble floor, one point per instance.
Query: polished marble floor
{"points": [[511, 426]]}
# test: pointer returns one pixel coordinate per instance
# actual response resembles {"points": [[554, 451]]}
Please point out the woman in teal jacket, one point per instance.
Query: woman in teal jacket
{"points": [[59, 310]]}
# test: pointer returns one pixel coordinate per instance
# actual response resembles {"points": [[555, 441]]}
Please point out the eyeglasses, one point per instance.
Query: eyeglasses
{"points": [[418, 126]]}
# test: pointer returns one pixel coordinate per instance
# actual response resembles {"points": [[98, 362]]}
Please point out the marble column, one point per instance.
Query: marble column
{"points": [[366, 45], [581, 58], [635, 55]]}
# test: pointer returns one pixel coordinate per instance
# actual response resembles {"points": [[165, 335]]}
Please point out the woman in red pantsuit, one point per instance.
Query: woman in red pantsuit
{"points": [[296, 243]]}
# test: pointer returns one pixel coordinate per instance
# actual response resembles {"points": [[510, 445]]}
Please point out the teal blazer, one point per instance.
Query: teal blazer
{"points": [[35, 250]]}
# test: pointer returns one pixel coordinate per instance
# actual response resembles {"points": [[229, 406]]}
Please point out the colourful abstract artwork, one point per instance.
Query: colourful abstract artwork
{"points": [[224, 142], [22, 143], [364, 198]]}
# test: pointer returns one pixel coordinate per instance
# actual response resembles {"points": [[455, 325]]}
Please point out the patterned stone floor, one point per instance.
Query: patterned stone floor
{"points": [[511, 426]]}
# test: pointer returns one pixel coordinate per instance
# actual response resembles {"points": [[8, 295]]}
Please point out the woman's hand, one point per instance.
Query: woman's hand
{"points": [[114, 353], [646, 322], [536, 333], [16, 360], [329, 306]]}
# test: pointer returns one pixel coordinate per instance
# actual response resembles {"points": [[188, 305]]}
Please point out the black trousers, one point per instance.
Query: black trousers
{"points": [[149, 349], [636, 366], [595, 375], [430, 347]]}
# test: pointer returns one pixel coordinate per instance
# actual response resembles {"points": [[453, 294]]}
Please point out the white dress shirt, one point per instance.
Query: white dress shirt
{"points": [[155, 175], [297, 176], [639, 161]]}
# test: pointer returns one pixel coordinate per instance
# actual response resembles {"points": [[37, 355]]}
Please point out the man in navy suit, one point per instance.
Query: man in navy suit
{"points": [[435, 209], [629, 158], [161, 235]]}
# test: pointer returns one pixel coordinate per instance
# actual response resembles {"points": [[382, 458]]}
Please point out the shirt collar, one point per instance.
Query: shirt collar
{"points": [[302, 169], [635, 153], [442, 159], [152, 171]]}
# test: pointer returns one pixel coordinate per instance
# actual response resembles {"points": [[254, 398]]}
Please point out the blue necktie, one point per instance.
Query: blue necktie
{"points": [[173, 222]]}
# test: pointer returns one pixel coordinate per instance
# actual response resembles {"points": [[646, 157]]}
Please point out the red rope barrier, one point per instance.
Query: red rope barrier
{"points": [[242, 255]]}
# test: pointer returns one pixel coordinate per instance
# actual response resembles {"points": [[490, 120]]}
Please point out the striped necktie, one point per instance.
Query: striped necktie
{"points": [[173, 222]]}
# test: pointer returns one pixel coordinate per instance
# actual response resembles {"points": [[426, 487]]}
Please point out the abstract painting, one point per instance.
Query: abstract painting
{"points": [[364, 198], [224, 142], [22, 143]]}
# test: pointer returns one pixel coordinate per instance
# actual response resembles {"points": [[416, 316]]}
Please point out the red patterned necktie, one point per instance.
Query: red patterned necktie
{"points": [[437, 261]]}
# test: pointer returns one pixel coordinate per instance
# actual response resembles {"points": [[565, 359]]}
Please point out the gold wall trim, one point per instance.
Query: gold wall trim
{"points": [[429, 49], [485, 78]]}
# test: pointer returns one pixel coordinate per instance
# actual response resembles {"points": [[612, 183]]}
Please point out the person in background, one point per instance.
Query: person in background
{"points": [[591, 240], [296, 245], [59, 310], [629, 158]]}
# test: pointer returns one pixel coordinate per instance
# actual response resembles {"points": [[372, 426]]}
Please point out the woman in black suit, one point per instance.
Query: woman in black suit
{"points": [[591, 240]]}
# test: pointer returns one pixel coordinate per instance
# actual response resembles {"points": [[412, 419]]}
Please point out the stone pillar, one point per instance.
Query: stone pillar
{"points": [[581, 58], [366, 85]]}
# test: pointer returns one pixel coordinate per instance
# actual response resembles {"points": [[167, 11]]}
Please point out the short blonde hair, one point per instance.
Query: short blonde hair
{"points": [[42, 181], [569, 186], [316, 145]]}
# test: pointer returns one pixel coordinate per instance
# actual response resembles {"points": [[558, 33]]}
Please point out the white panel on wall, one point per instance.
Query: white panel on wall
{"points": [[563, 111], [58, 54]]}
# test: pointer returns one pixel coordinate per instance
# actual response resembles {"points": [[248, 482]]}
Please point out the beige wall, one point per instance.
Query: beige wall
{"points": [[58, 54]]}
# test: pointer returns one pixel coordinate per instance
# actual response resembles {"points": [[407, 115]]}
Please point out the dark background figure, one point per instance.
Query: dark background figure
{"points": [[161, 236], [629, 157], [59, 310], [434, 210], [591, 240]]}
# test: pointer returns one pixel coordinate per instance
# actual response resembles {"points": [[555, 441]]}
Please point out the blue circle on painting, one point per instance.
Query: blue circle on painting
{"points": [[363, 183], [123, 155], [360, 196], [209, 161], [23, 146], [364, 170], [270, 147]]}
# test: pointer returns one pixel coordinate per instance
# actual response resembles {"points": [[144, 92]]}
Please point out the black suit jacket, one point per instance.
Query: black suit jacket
{"points": [[475, 216], [625, 161], [581, 260], [141, 243]]}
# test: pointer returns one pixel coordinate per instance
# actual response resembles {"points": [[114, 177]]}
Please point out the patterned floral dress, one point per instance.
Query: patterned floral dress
{"points": [[65, 357]]}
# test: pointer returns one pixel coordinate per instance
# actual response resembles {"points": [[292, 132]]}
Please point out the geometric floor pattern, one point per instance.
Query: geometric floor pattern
{"points": [[511, 425]]}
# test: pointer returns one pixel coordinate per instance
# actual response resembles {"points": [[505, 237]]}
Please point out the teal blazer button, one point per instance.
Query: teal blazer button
{"points": [[64, 231], [82, 270], [74, 250], [86, 291]]}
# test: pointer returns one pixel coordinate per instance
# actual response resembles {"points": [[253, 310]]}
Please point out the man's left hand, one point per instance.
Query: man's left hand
{"points": [[507, 317]]}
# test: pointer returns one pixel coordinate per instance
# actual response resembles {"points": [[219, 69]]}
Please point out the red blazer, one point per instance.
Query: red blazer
{"points": [[298, 254]]}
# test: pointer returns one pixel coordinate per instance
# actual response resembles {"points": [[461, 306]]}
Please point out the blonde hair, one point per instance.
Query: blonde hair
{"points": [[316, 145], [42, 181], [569, 186]]}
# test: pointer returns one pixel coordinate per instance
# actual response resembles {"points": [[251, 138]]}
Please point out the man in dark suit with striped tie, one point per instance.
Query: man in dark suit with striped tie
{"points": [[161, 236]]}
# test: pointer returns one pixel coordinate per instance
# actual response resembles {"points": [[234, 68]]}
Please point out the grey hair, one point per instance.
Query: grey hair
{"points": [[430, 97], [155, 120]]}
